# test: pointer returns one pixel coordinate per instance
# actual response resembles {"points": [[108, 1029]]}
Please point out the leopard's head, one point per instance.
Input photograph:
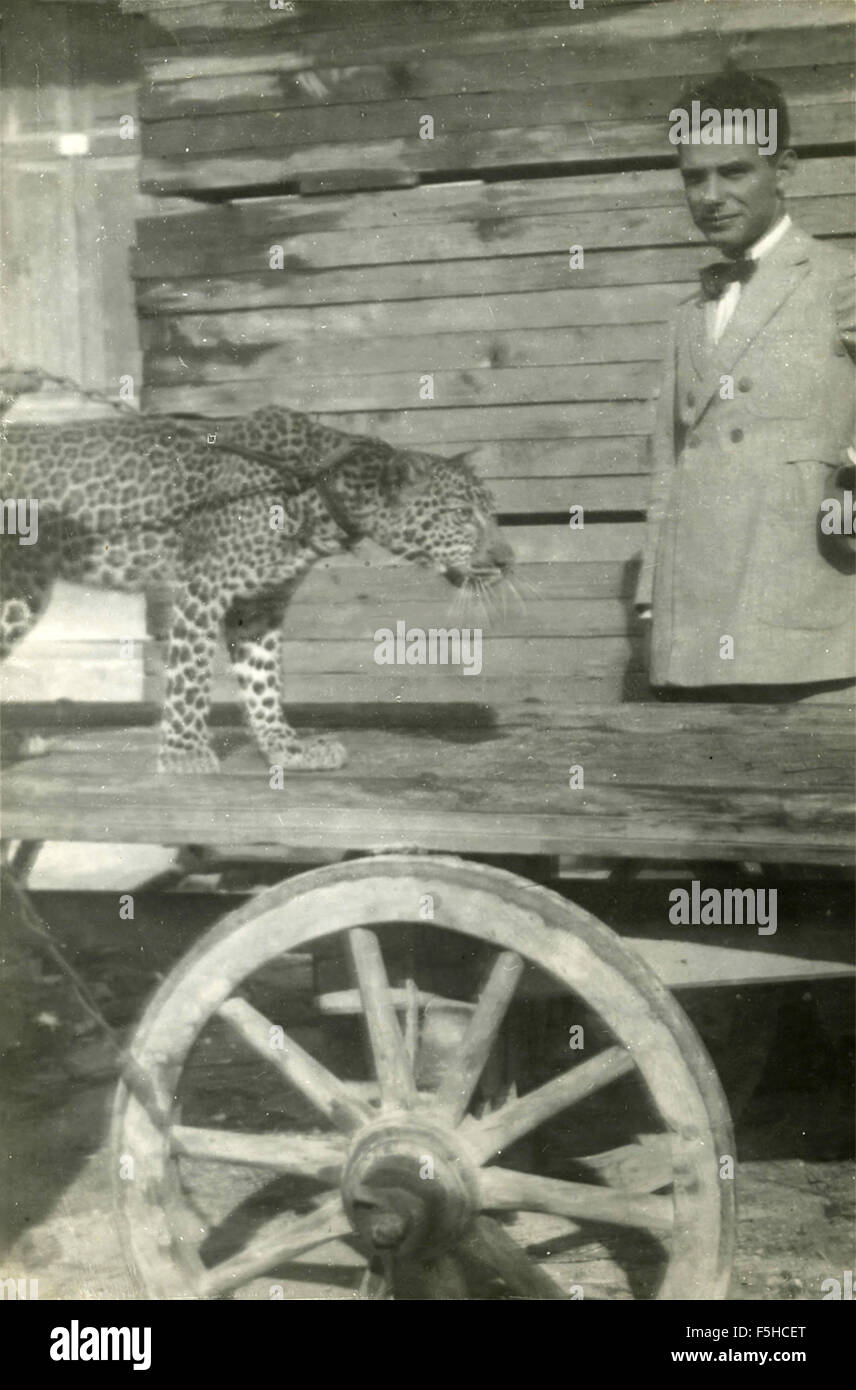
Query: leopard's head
{"points": [[428, 509]]}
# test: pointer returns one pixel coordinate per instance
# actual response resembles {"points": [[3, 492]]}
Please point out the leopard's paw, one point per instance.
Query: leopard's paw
{"points": [[310, 755], [187, 762]]}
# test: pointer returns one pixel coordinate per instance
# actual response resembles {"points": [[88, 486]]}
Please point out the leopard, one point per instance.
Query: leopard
{"points": [[231, 514]]}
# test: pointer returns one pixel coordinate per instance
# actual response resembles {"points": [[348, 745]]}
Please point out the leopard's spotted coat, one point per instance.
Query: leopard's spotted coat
{"points": [[131, 500]]}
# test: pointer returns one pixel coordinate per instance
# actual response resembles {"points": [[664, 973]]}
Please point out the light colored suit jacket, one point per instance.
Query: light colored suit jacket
{"points": [[748, 438]]}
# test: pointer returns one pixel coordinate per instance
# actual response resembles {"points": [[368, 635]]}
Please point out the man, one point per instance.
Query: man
{"points": [[747, 598]]}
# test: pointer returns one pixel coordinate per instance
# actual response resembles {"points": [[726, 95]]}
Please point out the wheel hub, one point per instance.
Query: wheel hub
{"points": [[407, 1187]]}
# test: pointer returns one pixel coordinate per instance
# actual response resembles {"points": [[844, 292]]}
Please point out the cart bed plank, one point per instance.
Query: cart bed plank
{"points": [[660, 782]]}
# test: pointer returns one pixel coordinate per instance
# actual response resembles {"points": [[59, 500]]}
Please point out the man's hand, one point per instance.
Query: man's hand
{"points": [[843, 490], [845, 313]]}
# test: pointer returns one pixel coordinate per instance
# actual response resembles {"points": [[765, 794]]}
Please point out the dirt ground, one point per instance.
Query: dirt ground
{"points": [[794, 1133]]}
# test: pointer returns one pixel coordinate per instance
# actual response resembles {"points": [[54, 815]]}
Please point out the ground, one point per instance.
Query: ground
{"points": [[795, 1175]]}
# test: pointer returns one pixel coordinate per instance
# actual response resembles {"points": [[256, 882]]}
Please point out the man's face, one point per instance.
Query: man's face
{"points": [[734, 192]]}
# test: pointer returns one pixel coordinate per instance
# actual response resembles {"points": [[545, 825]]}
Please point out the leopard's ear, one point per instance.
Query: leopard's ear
{"points": [[471, 458]]}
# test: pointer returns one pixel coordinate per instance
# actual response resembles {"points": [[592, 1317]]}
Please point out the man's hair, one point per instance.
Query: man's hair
{"points": [[733, 88]]}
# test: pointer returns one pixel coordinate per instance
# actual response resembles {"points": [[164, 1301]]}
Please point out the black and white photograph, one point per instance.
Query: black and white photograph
{"points": [[428, 636]]}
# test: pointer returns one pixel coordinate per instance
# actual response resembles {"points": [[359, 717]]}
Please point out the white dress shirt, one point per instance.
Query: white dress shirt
{"points": [[719, 311]]}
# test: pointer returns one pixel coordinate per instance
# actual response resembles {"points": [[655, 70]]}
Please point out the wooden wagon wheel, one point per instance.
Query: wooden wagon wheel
{"points": [[413, 1183]]}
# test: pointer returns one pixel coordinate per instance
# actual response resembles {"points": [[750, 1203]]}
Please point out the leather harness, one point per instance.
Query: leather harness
{"points": [[322, 482]]}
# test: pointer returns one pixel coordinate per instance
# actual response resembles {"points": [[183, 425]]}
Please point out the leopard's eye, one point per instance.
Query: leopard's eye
{"points": [[461, 513]]}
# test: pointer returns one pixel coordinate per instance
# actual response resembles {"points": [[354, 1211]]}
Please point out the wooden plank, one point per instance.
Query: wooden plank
{"points": [[358, 618], [367, 316], [674, 270], [516, 459], [198, 351], [410, 428], [690, 965], [262, 87], [549, 56], [476, 423], [792, 746], [607, 229], [329, 582], [399, 689], [473, 151], [330, 585], [215, 131], [528, 494], [622, 381], [273, 217], [500, 656], [293, 18], [102, 794]]}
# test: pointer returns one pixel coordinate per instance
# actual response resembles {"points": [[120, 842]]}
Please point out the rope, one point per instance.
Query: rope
{"points": [[322, 480], [135, 1078], [121, 407]]}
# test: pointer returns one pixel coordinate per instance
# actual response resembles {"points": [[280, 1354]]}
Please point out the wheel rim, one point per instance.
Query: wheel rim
{"points": [[370, 1156]]}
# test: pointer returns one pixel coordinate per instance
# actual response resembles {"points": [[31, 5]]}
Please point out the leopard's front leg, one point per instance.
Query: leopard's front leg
{"points": [[185, 744], [254, 639]]}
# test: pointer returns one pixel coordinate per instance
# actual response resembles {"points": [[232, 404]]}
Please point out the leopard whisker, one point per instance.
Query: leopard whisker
{"points": [[517, 594], [528, 592]]}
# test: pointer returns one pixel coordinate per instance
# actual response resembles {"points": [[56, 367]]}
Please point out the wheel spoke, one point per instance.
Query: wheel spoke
{"points": [[643, 1166], [304, 1155], [314, 1081], [461, 1080], [281, 1239], [505, 1190], [497, 1131], [376, 1284], [490, 1248], [411, 1021], [392, 1064], [349, 1001]]}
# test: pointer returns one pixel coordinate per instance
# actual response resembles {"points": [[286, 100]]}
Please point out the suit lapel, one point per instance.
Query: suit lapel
{"points": [[694, 334], [777, 276]]}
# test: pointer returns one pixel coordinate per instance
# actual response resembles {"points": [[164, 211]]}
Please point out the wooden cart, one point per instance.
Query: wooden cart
{"points": [[420, 1160]]}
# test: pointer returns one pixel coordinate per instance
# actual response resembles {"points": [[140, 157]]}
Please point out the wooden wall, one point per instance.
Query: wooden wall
{"points": [[70, 191], [406, 256]]}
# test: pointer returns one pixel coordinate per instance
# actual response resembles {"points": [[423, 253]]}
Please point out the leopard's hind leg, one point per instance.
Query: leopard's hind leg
{"points": [[254, 638]]}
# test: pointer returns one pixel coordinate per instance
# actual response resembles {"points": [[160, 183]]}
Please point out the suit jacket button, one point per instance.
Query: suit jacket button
{"points": [[736, 436], [744, 384], [691, 398]]}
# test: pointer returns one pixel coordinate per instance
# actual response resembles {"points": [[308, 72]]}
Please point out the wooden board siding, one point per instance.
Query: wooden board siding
{"points": [[403, 257]]}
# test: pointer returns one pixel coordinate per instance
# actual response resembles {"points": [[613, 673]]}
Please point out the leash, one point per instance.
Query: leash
{"points": [[134, 1076], [322, 481]]}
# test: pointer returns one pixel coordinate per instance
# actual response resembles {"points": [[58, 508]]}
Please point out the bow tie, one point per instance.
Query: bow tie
{"points": [[716, 278]]}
